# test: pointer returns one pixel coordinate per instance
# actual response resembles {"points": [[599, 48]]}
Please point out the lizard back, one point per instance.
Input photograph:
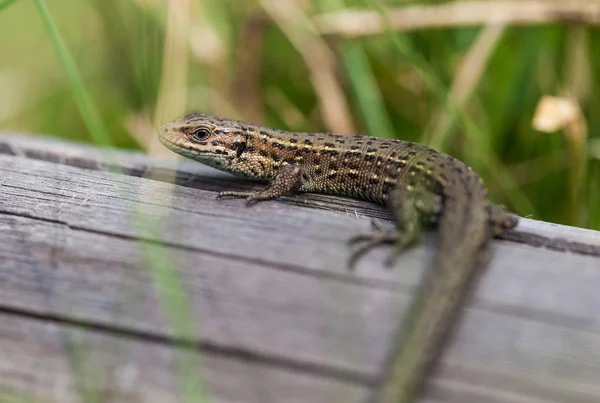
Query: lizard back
{"points": [[357, 166]]}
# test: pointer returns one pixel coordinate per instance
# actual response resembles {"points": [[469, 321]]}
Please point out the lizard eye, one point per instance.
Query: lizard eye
{"points": [[200, 134]]}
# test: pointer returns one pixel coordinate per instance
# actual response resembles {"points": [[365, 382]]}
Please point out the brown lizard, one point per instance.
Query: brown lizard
{"points": [[421, 186]]}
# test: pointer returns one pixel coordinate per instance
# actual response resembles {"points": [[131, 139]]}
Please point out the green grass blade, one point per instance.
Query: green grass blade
{"points": [[5, 3], [170, 288], [367, 92], [86, 108], [500, 174], [363, 82], [177, 308]]}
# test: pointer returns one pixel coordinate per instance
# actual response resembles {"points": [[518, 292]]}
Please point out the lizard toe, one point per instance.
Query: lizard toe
{"points": [[369, 241]]}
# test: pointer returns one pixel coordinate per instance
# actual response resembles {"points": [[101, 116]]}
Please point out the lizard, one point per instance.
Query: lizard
{"points": [[420, 186]]}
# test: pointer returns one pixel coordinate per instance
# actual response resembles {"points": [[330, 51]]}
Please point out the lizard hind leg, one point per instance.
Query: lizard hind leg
{"points": [[500, 220], [409, 206]]}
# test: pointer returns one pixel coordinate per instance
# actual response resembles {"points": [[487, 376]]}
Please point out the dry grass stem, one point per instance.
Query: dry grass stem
{"points": [[319, 59], [246, 83], [458, 14], [288, 111], [173, 84], [209, 48], [535, 169], [465, 82]]}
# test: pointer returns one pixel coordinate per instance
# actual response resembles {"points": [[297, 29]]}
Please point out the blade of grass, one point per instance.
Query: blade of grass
{"points": [[367, 92], [248, 68], [82, 99], [5, 3], [363, 82], [364, 86], [12, 396], [177, 308], [87, 379], [173, 87], [171, 101], [465, 81], [578, 83], [293, 22], [170, 289]]}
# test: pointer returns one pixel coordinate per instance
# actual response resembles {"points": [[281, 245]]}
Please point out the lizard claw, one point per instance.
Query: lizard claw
{"points": [[378, 230], [250, 201], [391, 257], [379, 237]]}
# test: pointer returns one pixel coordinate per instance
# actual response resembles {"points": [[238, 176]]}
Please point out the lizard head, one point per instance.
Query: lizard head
{"points": [[211, 140]]}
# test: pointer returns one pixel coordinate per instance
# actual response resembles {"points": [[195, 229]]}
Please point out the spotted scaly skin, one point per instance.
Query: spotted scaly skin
{"points": [[420, 186]]}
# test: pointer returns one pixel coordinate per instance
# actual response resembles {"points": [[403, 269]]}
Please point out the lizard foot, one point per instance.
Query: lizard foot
{"points": [[251, 197], [380, 236]]}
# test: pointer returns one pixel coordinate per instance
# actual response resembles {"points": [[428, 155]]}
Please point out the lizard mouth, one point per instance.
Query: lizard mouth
{"points": [[209, 154], [179, 143]]}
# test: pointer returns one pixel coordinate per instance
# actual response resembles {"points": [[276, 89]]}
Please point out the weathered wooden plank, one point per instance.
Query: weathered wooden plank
{"points": [[61, 363], [271, 281]]}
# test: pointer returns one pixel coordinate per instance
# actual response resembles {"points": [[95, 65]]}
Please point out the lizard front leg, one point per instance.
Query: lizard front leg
{"points": [[287, 179]]}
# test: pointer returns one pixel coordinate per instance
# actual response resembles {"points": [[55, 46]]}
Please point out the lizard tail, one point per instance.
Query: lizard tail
{"points": [[464, 235]]}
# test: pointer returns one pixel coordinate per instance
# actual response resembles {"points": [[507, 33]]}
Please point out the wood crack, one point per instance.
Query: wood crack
{"points": [[211, 347]]}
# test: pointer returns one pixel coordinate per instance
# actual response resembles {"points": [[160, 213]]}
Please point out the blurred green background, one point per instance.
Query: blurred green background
{"points": [[471, 91]]}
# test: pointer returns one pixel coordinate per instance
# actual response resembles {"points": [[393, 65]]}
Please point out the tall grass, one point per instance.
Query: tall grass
{"points": [[395, 84]]}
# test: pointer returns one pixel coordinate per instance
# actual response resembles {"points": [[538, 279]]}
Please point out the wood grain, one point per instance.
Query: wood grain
{"points": [[276, 315]]}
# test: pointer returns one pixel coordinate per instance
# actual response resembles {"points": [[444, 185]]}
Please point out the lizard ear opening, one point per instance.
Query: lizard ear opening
{"points": [[240, 149]]}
